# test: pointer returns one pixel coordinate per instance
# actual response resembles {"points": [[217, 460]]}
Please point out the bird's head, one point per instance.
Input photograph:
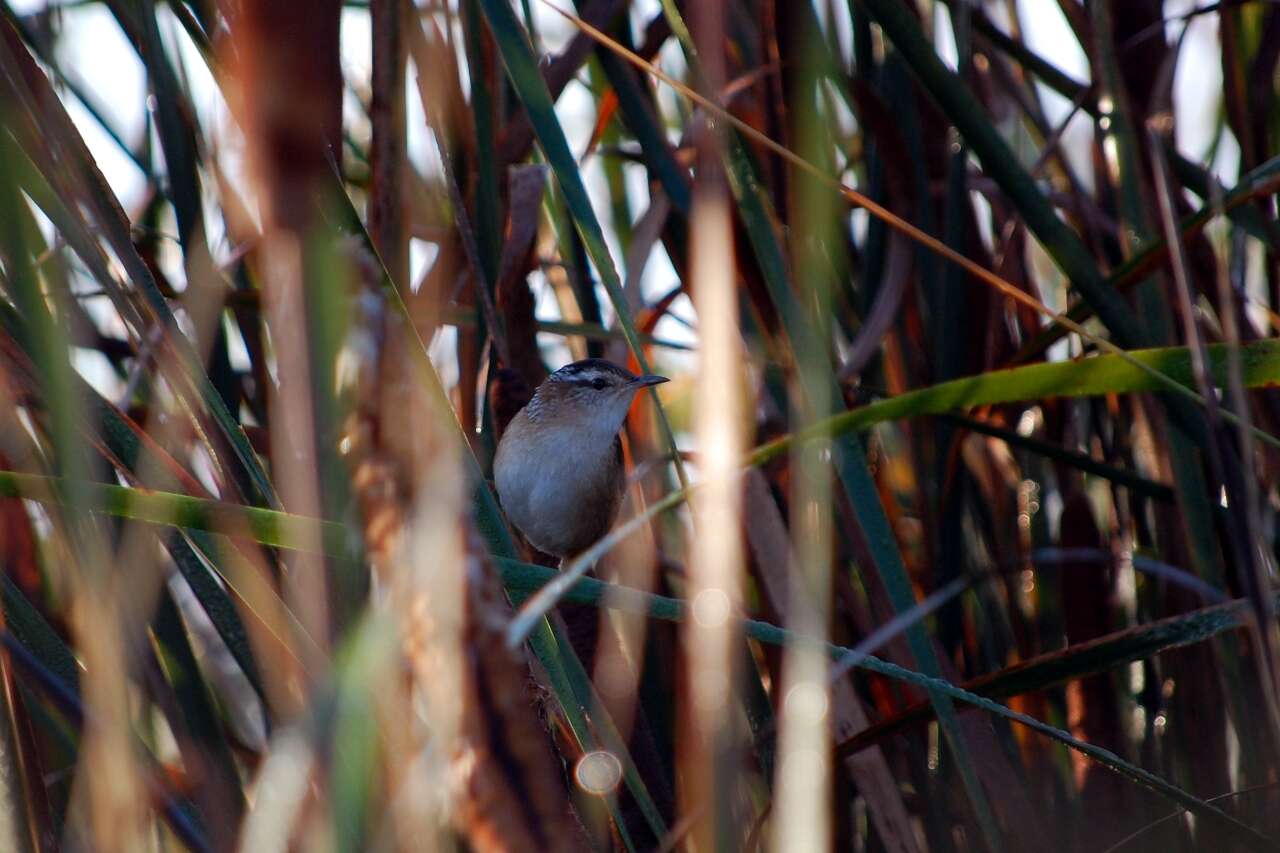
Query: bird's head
{"points": [[592, 391]]}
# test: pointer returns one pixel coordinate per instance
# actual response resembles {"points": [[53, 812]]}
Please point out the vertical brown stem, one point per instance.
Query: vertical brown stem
{"points": [[387, 224], [290, 97]]}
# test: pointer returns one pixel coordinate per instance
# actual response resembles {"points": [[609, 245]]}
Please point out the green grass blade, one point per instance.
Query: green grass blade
{"points": [[1080, 461], [1104, 374], [591, 723], [637, 108], [35, 633], [213, 598]]}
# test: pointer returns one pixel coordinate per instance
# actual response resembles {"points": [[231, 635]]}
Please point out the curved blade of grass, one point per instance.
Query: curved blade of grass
{"points": [[522, 70], [1128, 839], [1077, 661], [1103, 374], [1051, 556], [265, 526], [591, 591]]}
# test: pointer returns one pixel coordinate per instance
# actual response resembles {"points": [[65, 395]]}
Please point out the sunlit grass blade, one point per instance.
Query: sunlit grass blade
{"points": [[1103, 374]]}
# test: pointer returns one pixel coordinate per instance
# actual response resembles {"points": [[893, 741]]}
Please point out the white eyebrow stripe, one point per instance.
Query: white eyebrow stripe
{"points": [[584, 374]]}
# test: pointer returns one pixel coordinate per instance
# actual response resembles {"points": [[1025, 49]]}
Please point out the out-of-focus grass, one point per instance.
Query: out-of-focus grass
{"points": [[259, 595]]}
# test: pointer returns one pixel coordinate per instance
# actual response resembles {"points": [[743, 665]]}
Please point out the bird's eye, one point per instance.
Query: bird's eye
{"points": [[599, 384]]}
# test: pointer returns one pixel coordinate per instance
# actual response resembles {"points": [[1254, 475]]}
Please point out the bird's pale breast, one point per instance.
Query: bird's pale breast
{"points": [[563, 486]]}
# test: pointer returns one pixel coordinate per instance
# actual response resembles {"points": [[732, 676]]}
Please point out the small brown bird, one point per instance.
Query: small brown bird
{"points": [[559, 464]]}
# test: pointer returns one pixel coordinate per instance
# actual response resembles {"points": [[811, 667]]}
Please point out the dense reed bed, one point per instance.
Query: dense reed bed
{"points": [[955, 529]]}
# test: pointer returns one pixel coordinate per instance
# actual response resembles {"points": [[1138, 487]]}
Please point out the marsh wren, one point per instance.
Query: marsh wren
{"points": [[559, 464]]}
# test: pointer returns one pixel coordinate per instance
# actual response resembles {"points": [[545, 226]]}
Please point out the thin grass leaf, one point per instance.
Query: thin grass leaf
{"points": [[1079, 461], [32, 630], [1103, 374], [587, 716], [90, 104]]}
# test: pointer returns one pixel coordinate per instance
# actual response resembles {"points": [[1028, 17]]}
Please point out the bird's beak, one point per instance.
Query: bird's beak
{"points": [[646, 381]]}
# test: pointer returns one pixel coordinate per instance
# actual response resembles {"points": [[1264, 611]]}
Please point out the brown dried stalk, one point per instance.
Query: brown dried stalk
{"points": [[507, 790]]}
